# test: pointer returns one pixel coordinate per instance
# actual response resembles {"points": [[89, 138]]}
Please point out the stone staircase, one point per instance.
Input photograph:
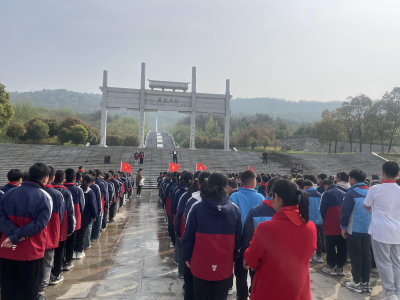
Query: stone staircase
{"points": [[156, 160]]}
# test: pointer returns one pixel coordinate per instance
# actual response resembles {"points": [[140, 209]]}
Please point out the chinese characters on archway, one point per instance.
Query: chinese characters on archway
{"points": [[168, 101]]}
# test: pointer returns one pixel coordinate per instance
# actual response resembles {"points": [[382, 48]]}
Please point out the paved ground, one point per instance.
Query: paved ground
{"points": [[133, 260]]}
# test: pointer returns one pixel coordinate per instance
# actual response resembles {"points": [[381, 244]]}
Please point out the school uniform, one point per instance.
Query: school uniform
{"points": [[111, 196], [136, 157], [141, 157], [336, 246], [94, 228], [102, 214], [356, 220], [89, 213], [315, 215], [284, 239], [245, 199], [114, 205], [67, 227], [262, 189], [258, 214], [24, 212], [9, 186], [210, 243], [79, 205]]}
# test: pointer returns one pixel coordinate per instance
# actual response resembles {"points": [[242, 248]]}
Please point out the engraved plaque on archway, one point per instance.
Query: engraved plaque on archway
{"points": [[166, 96]]}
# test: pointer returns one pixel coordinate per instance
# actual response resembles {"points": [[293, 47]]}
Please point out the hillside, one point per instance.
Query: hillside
{"points": [[302, 111]]}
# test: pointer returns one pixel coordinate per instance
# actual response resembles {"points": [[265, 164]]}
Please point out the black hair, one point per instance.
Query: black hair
{"points": [[161, 173], [70, 174], [59, 176], [107, 176], [322, 176], [80, 167], [327, 182], [14, 175], [290, 195], [93, 173], [86, 181], [308, 183], [343, 176], [111, 172], [375, 177], [270, 185], [215, 188], [391, 169], [232, 183], [311, 177], [247, 177], [203, 176], [300, 183], [258, 179], [52, 172], [78, 176], [98, 172], [186, 179], [38, 171], [265, 178], [299, 176], [195, 185], [397, 181], [358, 175], [25, 177]]}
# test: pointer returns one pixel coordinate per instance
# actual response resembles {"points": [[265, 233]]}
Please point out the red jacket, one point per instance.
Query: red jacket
{"points": [[280, 252]]}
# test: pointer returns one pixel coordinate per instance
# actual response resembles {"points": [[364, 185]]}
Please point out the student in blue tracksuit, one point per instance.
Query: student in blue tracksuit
{"points": [[14, 177], [245, 199], [315, 216], [320, 178], [24, 214], [212, 239], [258, 214], [94, 229], [89, 215], [111, 195], [104, 199], [355, 221]]}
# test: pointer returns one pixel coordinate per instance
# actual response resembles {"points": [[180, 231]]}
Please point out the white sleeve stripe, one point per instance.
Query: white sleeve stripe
{"points": [[194, 204], [180, 200], [50, 200]]}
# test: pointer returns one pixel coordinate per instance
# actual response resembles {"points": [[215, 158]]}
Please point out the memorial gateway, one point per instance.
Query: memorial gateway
{"points": [[151, 100]]}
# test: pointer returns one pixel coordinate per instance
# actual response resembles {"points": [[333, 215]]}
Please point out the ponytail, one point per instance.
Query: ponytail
{"points": [[304, 204], [215, 187], [86, 181], [194, 187]]}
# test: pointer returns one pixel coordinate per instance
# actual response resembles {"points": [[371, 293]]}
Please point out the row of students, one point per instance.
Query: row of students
{"points": [[47, 219]]}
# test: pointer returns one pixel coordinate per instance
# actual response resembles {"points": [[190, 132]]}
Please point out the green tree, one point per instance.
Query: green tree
{"points": [[131, 140], [37, 130], [216, 143], [329, 130], [54, 127], [15, 130], [392, 101], [377, 117], [63, 136], [212, 129], [253, 143], [24, 111], [266, 141], [78, 134], [6, 108], [114, 140]]}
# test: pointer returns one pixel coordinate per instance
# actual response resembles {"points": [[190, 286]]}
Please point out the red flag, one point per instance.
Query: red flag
{"points": [[124, 167], [250, 168], [200, 167], [129, 169], [173, 167]]}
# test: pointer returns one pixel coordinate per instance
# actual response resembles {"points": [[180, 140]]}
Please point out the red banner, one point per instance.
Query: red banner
{"points": [[173, 167], [200, 167]]}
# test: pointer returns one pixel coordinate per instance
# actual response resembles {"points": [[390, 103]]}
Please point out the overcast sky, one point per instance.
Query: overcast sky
{"points": [[293, 49]]}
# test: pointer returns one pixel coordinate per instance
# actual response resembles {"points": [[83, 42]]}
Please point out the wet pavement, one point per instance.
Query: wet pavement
{"points": [[133, 260]]}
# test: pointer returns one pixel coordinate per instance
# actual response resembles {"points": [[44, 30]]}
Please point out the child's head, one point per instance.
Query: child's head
{"points": [[390, 170]]}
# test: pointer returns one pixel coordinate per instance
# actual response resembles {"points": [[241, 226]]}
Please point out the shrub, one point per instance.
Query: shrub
{"points": [[78, 134], [114, 140], [216, 143], [15, 131], [131, 140]]}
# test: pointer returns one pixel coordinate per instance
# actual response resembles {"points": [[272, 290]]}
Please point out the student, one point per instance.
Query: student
{"points": [[53, 233], [81, 169], [89, 215], [320, 178], [315, 216], [265, 158], [299, 169], [141, 156], [300, 183], [96, 190], [262, 189], [293, 169], [342, 180], [24, 214], [288, 239], [355, 221], [104, 202], [136, 157], [14, 177], [139, 183], [175, 156], [258, 214], [111, 196], [78, 178], [67, 227], [383, 202], [232, 187], [114, 200], [331, 204], [79, 205], [215, 218], [245, 199], [375, 180], [258, 183]]}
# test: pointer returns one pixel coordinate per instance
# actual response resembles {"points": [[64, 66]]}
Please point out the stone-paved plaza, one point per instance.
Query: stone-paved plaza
{"points": [[133, 260]]}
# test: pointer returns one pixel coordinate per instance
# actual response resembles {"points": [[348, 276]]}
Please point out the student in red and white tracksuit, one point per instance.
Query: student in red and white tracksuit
{"points": [[24, 214]]}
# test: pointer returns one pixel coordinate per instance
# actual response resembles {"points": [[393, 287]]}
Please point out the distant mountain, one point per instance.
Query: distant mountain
{"points": [[302, 111]]}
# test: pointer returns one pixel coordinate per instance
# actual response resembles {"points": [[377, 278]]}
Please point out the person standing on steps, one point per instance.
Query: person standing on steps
{"points": [[265, 157], [141, 156], [136, 157], [175, 156], [139, 183]]}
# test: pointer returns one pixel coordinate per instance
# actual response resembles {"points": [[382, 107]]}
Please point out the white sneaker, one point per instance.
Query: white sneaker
{"points": [[339, 271], [357, 287], [80, 255], [171, 245], [391, 297], [230, 292], [74, 255], [329, 270], [318, 258]]}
